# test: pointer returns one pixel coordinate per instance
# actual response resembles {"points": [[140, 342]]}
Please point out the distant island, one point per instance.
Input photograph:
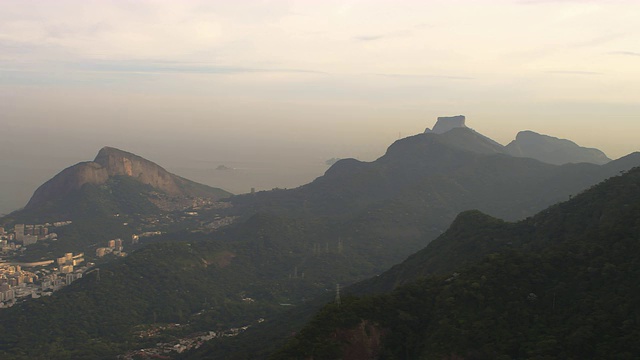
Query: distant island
{"points": [[224, 167]]}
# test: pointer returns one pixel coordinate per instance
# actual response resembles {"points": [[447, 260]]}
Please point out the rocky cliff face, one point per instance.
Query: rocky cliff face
{"points": [[553, 150], [364, 341], [117, 162], [446, 123], [112, 162]]}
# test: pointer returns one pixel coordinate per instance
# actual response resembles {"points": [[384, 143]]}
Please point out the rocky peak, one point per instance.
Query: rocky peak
{"points": [[453, 131], [110, 152], [112, 162], [446, 123], [118, 162]]}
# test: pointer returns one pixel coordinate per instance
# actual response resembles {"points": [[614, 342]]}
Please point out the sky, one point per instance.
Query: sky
{"points": [[274, 88]]}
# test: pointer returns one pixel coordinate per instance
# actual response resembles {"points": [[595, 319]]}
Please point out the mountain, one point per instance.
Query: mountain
{"points": [[529, 144], [289, 246], [110, 163], [552, 150], [114, 196], [114, 182], [383, 209], [561, 284], [444, 173]]}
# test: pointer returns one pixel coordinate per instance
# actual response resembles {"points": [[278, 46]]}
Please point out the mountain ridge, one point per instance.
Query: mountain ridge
{"points": [[418, 187], [545, 148], [557, 284]]}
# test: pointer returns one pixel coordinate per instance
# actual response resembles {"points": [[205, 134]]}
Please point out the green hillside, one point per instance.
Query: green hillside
{"points": [[119, 195], [562, 284], [96, 316]]}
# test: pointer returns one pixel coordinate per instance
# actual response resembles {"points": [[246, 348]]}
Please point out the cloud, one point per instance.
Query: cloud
{"points": [[625, 53], [572, 72], [392, 34], [177, 67], [600, 40], [106, 73], [424, 76], [533, 2], [369, 37]]}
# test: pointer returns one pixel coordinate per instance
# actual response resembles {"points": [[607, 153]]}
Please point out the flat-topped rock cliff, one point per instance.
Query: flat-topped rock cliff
{"points": [[446, 123]]}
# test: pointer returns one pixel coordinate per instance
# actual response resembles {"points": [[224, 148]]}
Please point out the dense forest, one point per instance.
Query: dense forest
{"points": [[566, 288]]}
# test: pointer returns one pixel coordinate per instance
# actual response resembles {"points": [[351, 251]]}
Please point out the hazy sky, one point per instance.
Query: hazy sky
{"points": [[303, 81]]}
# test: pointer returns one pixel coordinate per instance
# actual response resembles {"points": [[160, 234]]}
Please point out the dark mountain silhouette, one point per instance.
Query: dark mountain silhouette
{"points": [[559, 284], [529, 144], [445, 173], [553, 150], [403, 200]]}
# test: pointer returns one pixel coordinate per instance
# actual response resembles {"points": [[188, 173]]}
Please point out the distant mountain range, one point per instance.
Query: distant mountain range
{"points": [[111, 163], [457, 170], [529, 144], [288, 246], [408, 197]]}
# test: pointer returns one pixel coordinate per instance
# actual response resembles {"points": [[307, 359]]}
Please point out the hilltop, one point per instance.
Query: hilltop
{"points": [[553, 150]]}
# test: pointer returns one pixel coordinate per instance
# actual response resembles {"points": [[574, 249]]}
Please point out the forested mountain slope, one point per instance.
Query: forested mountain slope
{"points": [[562, 284]]}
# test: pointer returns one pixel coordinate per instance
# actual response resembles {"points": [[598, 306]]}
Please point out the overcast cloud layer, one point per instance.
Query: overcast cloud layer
{"points": [[298, 82]]}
